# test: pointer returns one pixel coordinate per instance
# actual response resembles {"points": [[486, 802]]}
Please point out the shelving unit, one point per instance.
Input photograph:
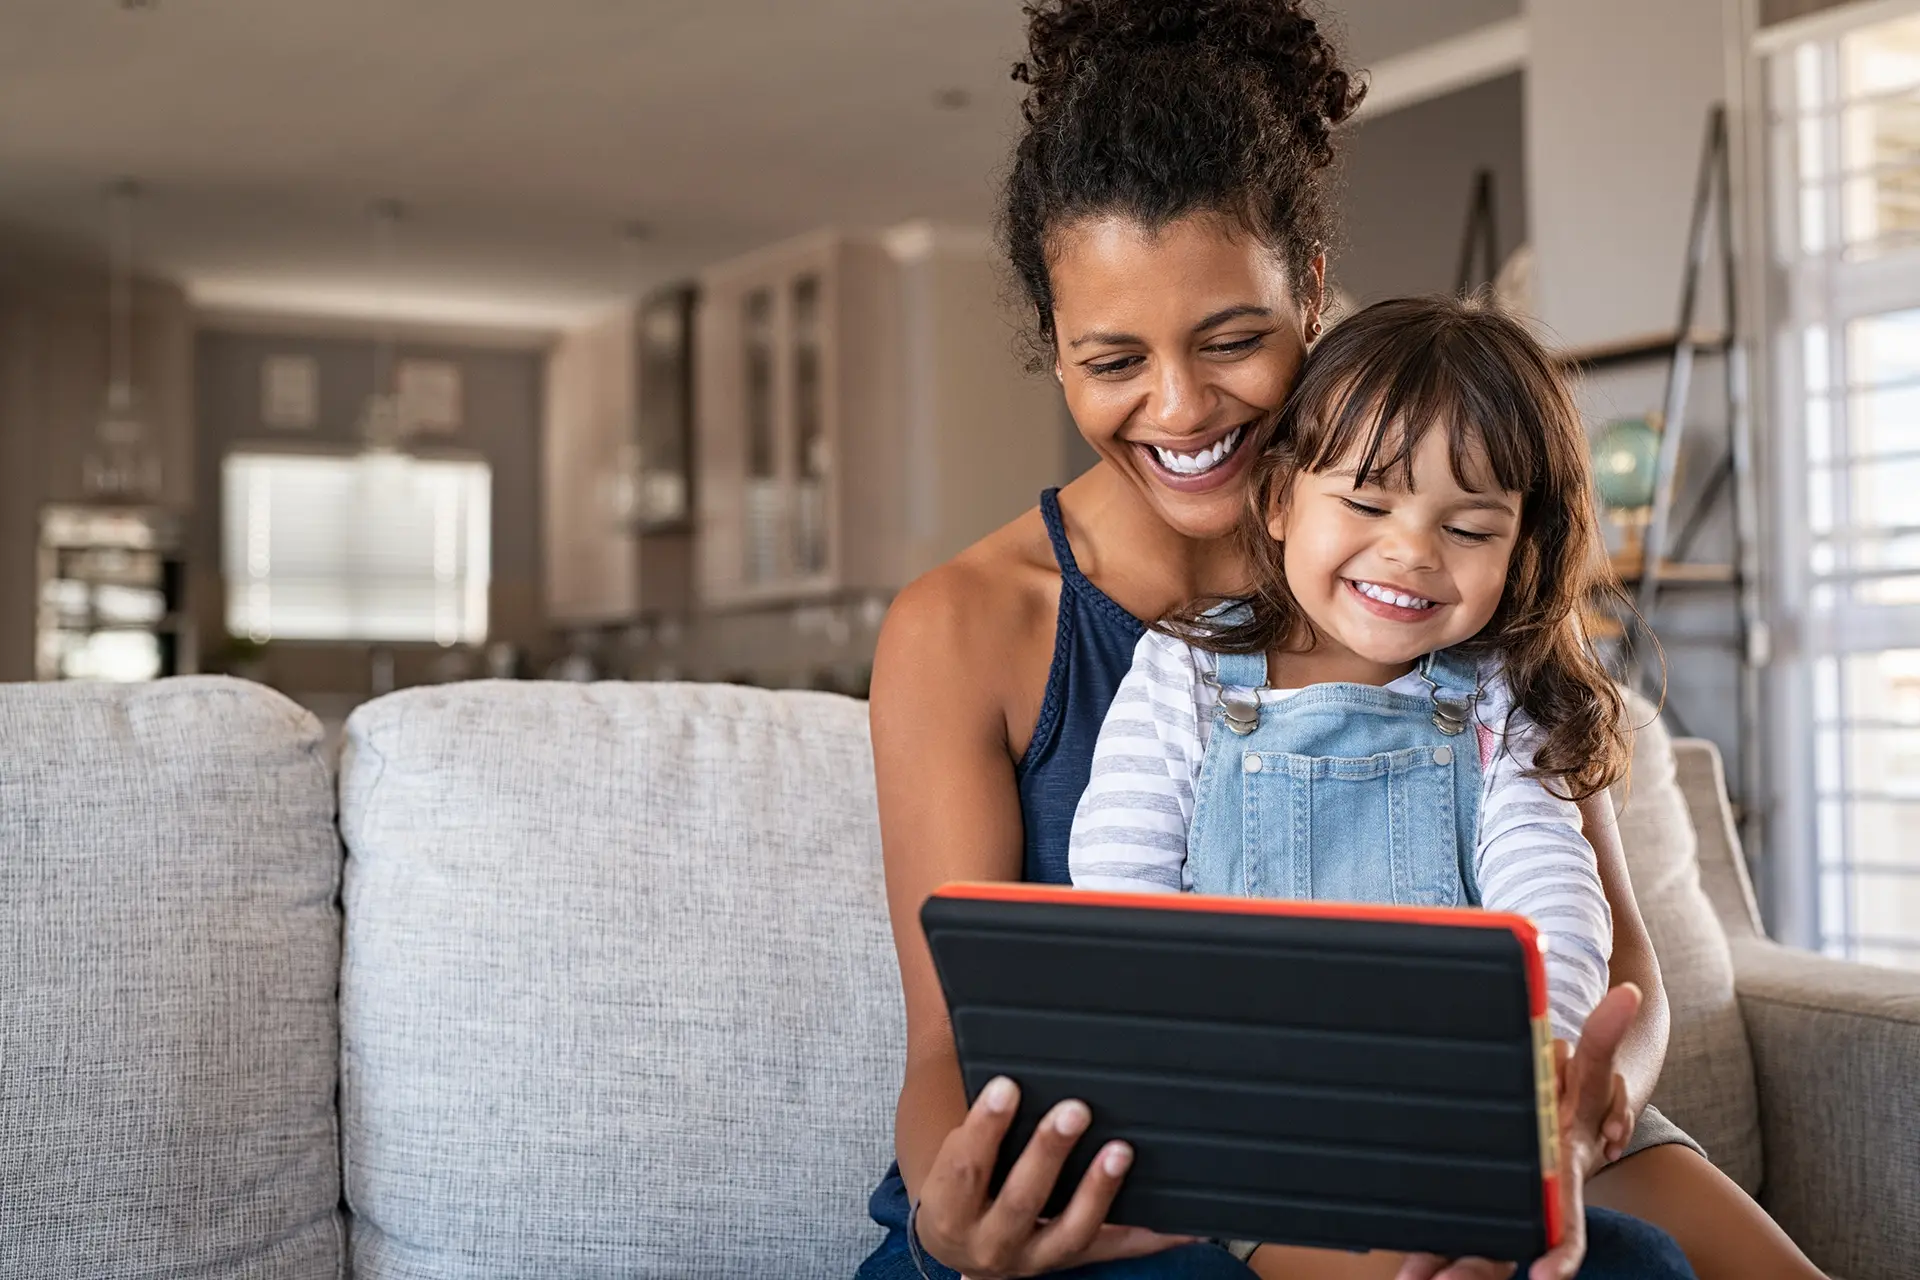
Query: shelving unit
{"points": [[1663, 568], [112, 588]]}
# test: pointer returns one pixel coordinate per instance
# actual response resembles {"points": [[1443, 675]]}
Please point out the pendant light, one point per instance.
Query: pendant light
{"points": [[122, 465], [381, 430]]}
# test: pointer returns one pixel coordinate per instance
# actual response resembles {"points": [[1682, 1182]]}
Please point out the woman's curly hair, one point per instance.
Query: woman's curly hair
{"points": [[1154, 109]]}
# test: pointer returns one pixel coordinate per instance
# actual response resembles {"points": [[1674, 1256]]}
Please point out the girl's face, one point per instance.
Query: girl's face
{"points": [[1388, 571], [1173, 346]]}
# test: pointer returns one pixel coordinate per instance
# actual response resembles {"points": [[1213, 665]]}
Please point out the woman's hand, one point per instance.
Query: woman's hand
{"points": [[999, 1237], [1593, 1110]]}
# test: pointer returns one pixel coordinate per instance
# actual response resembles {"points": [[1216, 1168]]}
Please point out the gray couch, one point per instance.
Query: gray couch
{"points": [[558, 980]]}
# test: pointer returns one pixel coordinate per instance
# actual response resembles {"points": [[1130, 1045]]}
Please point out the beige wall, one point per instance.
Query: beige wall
{"points": [[592, 566]]}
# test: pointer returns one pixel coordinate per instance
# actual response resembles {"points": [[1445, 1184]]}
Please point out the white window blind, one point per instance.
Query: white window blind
{"points": [[1845, 205], [375, 546]]}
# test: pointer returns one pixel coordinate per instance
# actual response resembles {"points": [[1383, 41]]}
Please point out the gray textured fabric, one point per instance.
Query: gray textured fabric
{"points": [[168, 1036], [619, 995], [1837, 1054], [1706, 1085], [1723, 865]]}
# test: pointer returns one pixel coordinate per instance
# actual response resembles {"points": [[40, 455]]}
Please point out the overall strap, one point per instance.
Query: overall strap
{"points": [[1242, 670]]}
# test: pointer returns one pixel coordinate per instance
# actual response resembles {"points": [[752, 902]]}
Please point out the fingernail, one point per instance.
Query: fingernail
{"points": [[1071, 1119], [1116, 1159], [998, 1095]]}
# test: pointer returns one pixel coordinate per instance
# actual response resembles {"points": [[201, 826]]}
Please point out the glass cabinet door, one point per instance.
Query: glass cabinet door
{"points": [[808, 537], [763, 508]]}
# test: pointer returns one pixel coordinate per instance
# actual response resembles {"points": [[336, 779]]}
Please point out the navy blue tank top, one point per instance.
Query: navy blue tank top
{"points": [[1093, 647]]}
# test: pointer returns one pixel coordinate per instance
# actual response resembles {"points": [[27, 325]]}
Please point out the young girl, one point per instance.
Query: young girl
{"points": [[1405, 709]]}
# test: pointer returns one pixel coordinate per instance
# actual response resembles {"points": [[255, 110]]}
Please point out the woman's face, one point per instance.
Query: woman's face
{"points": [[1174, 347]]}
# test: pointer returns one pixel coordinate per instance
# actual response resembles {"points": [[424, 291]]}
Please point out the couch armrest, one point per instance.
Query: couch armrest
{"points": [[1836, 1050]]}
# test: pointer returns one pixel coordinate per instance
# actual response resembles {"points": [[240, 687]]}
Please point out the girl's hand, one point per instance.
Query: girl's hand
{"points": [[1593, 1109], [1003, 1237]]}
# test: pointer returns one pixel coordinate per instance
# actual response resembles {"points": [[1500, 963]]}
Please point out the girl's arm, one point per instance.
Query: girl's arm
{"points": [[1534, 861], [1130, 827]]}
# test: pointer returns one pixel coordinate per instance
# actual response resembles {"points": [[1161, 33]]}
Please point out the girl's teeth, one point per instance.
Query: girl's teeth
{"points": [[1193, 464], [1385, 596]]}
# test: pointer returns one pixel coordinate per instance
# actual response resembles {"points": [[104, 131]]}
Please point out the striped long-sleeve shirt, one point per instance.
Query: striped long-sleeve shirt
{"points": [[1130, 830]]}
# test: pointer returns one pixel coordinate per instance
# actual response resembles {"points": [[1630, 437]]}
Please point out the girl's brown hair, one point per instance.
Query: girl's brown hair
{"points": [[1371, 390]]}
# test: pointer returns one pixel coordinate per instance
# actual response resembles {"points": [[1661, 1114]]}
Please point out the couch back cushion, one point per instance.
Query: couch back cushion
{"points": [[619, 996], [1707, 1084], [168, 1031]]}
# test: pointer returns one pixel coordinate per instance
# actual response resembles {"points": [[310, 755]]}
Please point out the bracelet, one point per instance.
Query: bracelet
{"points": [[913, 1241]]}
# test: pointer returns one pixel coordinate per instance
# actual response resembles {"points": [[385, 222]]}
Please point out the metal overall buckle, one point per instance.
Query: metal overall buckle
{"points": [[1240, 705], [1452, 712]]}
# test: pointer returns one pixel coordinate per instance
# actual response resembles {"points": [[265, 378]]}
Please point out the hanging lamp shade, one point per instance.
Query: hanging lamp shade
{"points": [[123, 462]]}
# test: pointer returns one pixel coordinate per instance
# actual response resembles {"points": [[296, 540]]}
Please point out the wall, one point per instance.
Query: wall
{"points": [[1407, 182], [592, 569], [53, 377], [501, 390]]}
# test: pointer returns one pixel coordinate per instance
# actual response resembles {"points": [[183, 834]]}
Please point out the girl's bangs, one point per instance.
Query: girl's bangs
{"points": [[1383, 410]]}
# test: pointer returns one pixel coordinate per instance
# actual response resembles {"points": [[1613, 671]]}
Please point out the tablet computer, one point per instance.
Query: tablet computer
{"points": [[1340, 1075]]}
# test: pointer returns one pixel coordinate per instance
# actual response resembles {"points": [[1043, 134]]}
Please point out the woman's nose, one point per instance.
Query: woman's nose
{"points": [[1181, 403]]}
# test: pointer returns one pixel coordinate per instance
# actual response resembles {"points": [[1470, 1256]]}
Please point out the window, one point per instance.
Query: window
{"points": [[368, 547], [1845, 158]]}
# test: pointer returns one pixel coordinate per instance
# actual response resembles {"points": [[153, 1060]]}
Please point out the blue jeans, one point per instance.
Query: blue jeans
{"points": [[1618, 1248]]}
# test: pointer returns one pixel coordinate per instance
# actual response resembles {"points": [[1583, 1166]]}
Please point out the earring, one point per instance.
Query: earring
{"points": [[1313, 329], [1058, 376]]}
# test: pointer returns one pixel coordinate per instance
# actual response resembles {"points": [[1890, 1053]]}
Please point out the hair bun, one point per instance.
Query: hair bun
{"points": [[1278, 38]]}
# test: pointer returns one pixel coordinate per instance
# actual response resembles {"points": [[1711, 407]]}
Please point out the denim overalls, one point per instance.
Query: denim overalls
{"points": [[1341, 792]]}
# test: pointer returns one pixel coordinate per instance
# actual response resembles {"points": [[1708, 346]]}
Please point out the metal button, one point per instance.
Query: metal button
{"points": [[1252, 764], [1443, 755]]}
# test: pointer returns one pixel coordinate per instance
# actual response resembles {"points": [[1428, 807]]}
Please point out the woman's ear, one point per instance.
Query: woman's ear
{"points": [[1317, 297]]}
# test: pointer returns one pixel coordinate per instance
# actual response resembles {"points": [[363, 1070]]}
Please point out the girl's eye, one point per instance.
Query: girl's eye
{"points": [[1120, 365], [1470, 535], [1362, 508]]}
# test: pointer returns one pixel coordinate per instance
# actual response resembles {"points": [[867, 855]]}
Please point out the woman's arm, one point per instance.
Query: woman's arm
{"points": [[950, 810], [1644, 1047]]}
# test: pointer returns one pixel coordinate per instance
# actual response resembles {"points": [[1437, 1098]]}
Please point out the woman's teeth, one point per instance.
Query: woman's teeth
{"points": [[1196, 464], [1375, 592]]}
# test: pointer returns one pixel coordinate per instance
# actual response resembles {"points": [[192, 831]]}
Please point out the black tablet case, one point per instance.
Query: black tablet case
{"points": [[1301, 1073]]}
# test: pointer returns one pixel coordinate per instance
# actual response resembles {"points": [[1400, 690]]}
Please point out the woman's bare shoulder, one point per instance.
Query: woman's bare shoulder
{"points": [[985, 617], [994, 589]]}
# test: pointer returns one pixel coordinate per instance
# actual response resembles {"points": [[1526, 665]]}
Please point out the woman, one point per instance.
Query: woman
{"points": [[1167, 216]]}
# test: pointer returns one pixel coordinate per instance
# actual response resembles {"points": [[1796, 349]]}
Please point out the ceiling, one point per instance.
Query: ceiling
{"points": [[520, 135]]}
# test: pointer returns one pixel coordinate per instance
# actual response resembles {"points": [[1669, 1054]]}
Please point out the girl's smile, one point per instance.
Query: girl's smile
{"points": [[1400, 566]]}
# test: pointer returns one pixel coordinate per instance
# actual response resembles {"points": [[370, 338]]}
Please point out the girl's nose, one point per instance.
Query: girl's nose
{"points": [[1410, 548]]}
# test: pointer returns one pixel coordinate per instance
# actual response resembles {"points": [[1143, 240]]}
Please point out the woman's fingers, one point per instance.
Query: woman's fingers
{"points": [[1081, 1233], [1590, 1073], [955, 1193], [1619, 1126], [1426, 1266], [1023, 1196]]}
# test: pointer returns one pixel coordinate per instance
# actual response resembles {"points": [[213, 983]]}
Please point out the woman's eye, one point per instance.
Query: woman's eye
{"points": [[1113, 366], [1237, 346], [1470, 535], [1362, 508]]}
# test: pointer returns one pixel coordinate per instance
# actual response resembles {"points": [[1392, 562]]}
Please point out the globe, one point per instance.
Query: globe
{"points": [[1626, 455]]}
